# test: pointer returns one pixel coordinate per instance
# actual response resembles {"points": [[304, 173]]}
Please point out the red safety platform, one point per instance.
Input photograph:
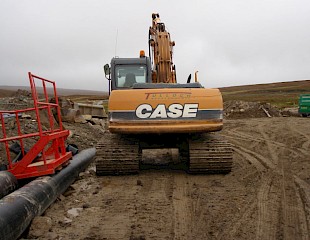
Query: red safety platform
{"points": [[48, 153]]}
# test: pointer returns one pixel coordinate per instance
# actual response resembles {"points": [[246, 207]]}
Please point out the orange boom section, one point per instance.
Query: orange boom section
{"points": [[165, 110]]}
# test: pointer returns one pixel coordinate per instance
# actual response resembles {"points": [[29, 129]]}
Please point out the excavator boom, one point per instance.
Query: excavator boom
{"points": [[162, 50]]}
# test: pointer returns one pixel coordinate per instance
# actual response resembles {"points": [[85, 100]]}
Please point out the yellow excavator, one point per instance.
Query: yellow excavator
{"points": [[148, 109]]}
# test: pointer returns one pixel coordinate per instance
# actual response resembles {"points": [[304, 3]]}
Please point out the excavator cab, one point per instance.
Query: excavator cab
{"points": [[125, 72]]}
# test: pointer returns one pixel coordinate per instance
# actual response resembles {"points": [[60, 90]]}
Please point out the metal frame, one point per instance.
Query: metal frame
{"points": [[49, 153]]}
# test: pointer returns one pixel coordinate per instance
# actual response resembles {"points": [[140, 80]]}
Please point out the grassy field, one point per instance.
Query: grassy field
{"points": [[282, 94]]}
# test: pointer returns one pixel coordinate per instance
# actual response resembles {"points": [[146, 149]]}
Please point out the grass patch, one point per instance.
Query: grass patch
{"points": [[284, 94]]}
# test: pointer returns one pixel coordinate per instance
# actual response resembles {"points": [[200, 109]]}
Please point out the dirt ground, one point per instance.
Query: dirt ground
{"points": [[266, 196]]}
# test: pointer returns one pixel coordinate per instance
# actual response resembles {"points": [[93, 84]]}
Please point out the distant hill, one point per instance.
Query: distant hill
{"points": [[9, 90], [281, 94]]}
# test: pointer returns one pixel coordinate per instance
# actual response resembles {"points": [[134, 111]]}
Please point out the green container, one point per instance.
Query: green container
{"points": [[304, 105]]}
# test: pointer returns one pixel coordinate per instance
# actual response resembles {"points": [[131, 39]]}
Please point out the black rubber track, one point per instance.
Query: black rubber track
{"points": [[210, 153], [206, 153], [117, 155]]}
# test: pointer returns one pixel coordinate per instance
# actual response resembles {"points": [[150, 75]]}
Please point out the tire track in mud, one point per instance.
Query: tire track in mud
{"points": [[305, 146], [289, 212], [231, 230], [169, 207], [153, 207], [190, 206], [292, 221], [174, 204], [267, 200], [282, 210], [107, 217], [181, 206], [303, 197], [234, 134], [276, 127], [260, 163], [117, 216], [268, 205], [272, 151], [199, 228], [288, 201]]}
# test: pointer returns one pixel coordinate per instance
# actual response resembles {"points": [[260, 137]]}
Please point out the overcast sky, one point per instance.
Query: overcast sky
{"points": [[229, 42]]}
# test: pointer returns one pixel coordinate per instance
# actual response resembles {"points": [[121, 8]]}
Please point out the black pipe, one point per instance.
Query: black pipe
{"points": [[8, 183], [19, 208]]}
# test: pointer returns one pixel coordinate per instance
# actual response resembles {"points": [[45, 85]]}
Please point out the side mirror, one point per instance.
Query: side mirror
{"points": [[106, 69]]}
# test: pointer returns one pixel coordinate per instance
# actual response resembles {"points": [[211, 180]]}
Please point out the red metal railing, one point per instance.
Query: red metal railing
{"points": [[49, 152]]}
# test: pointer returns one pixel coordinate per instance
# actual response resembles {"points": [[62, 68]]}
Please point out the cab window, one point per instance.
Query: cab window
{"points": [[127, 75]]}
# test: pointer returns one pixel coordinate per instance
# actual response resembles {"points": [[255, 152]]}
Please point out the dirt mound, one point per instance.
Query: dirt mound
{"points": [[290, 112], [6, 93], [21, 94], [84, 135], [240, 109]]}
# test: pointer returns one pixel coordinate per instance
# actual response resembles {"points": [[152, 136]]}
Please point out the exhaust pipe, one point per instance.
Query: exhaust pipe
{"points": [[8, 183], [19, 208]]}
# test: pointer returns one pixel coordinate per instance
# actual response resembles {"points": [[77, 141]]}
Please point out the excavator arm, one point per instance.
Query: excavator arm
{"points": [[163, 69]]}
